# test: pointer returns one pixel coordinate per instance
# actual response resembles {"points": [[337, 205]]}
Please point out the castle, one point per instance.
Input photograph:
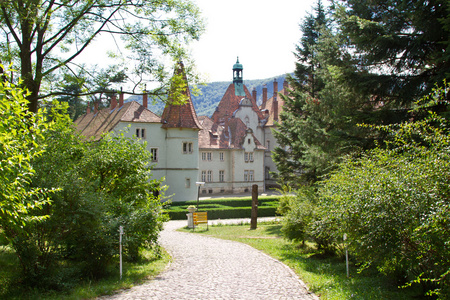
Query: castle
{"points": [[229, 152]]}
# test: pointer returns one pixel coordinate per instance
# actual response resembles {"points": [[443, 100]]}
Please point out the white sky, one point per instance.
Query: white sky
{"points": [[263, 33]]}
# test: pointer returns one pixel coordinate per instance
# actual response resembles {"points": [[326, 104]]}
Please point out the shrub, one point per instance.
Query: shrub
{"points": [[393, 202], [100, 186]]}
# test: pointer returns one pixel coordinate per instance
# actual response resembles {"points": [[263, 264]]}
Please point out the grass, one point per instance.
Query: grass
{"points": [[324, 275], [133, 274]]}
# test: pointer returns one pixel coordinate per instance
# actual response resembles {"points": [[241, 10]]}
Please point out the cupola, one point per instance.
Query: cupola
{"points": [[238, 79]]}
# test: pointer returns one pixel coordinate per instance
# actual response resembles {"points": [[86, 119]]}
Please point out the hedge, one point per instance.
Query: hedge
{"points": [[227, 208]]}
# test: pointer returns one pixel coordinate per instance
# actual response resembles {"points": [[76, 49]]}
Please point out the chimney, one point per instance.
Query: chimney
{"points": [[113, 101], [275, 109], [254, 94], [88, 109], [121, 99], [275, 100], [145, 97], [95, 107], [285, 87], [275, 89], [145, 100], [264, 97]]}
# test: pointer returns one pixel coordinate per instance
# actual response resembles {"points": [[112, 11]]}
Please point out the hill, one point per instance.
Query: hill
{"points": [[211, 94]]}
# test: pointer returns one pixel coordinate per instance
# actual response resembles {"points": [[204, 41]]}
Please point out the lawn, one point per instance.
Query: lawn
{"points": [[324, 275], [133, 274]]}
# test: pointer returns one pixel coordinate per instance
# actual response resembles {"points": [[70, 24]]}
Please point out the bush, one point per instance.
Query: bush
{"points": [[394, 203], [100, 186]]}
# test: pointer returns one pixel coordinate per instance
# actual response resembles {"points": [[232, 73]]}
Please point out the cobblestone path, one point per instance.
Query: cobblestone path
{"points": [[209, 268]]}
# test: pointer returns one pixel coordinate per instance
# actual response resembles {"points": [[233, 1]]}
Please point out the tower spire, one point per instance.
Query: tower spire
{"points": [[238, 78]]}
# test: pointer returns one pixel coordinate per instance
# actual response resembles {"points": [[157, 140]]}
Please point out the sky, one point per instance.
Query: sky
{"points": [[263, 33]]}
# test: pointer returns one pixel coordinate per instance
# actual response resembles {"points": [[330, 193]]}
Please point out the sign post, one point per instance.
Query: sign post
{"points": [[254, 214], [120, 249], [346, 254], [199, 184]]}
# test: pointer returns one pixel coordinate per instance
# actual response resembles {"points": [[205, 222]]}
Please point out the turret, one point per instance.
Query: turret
{"points": [[238, 79]]}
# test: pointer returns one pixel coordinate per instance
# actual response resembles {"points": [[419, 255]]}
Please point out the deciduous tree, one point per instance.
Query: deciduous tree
{"points": [[43, 37]]}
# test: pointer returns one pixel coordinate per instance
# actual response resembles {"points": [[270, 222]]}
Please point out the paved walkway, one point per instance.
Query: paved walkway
{"points": [[209, 268]]}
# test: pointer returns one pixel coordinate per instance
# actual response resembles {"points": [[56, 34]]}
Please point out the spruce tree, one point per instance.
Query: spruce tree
{"points": [[401, 47], [321, 113]]}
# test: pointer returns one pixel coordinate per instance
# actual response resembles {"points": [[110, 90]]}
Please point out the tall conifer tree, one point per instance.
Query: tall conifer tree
{"points": [[321, 113], [402, 47]]}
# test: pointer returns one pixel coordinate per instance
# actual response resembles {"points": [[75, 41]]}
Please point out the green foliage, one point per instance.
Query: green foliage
{"points": [[225, 208], [43, 38], [400, 47], [320, 114], [298, 214], [100, 186], [19, 135], [393, 202]]}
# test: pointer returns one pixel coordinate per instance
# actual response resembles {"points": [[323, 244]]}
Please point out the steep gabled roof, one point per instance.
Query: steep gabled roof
{"points": [[227, 136], [105, 120], [180, 116], [230, 103]]}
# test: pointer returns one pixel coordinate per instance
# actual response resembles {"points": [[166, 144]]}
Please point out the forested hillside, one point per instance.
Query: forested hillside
{"points": [[211, 94]]}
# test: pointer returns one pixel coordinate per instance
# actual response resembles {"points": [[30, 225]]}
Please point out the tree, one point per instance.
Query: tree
{"points": [[98, 186], [43, 38], [320, 115], [307, 64], [401, 47], [304, 85]]}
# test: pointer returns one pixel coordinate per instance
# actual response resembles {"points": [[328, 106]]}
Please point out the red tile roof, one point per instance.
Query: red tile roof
{"points": [[230, 103], [94, 125], [180, 116], [228, 136]]}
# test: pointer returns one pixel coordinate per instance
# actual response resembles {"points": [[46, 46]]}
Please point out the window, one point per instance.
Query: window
{"points": [[154, 152], [221, 156], [206, 156], [221, 175], [248, 156], [187, 147], [204, 176], [209, 176], [248, 141], [140, 133], [248, 175], [268, 145], [267, 172], [188, 183]]}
